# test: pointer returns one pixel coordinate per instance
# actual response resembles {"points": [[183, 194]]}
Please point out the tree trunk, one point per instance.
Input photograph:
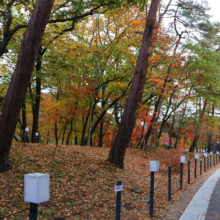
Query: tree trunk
{"points": [[83, 141], [56, 132], [24, 121], [121, 141], [142, 134], [37, 99], [157, 105], [101, 134], [64, 131], [211, 130], [90, 119], [69, 134], [15, 95], [76, 140], [197, 135]]}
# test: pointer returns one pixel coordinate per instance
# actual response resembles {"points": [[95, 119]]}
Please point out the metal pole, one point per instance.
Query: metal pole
{"points": [[169, 183], [207, 163], [152, 195], [200, 166], [25, 135], [188, 171], [195, 167], [204, 164], [181, 176], [210, 161], [33, 211], [118, 201]]}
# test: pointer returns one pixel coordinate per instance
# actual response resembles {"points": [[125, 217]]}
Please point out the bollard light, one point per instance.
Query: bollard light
{"points": [[196, 158], [36, 187], [154, 167], [182, 159], [118, 189], [36, 190], [27, 129], [205, 155]]}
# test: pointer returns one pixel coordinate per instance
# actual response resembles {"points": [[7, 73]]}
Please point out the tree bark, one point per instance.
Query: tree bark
{"points": [[24, 120], [64, 130], [101, 134], [197, 135], [56, 133], [21, 78], [37, 99], [142, 134], [210, 133], [70, 132], [121, 141]]}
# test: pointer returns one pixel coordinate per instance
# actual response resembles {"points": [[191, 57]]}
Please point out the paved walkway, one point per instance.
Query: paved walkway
{"points": [[200, 208]]}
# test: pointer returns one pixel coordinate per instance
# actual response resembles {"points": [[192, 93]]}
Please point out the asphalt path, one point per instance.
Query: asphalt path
{"points": [[205, 204], [213, 211]]}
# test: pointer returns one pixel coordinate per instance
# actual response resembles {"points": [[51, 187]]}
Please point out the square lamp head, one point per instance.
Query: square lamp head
{"points": [[154, 166], [27, 129], [205, 154], [196, 156], [36, 187], [36, 134], [182, 159], [210, 152], [217, 152]]}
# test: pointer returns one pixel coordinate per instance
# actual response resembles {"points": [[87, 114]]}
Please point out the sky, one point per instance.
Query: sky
{"points": [[215, 6]]}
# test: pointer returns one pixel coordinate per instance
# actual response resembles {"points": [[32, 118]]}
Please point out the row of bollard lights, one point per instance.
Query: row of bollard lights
{"points": [[154, 167], [36, 185], [36, 134]]}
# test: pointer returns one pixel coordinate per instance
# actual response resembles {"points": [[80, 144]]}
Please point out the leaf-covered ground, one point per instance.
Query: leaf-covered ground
{"points": [[82, 182]]}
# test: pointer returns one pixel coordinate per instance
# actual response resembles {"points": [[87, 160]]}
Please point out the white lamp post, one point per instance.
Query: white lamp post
{"points": [[154, 167], [36, 137], [182, 161], [205, 155], [25, 134], [36, 190], [196, 158]]}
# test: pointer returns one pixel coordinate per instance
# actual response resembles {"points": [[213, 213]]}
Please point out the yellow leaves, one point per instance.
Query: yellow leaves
{"points": [[138, 22], [121, 85], [154, 58]]}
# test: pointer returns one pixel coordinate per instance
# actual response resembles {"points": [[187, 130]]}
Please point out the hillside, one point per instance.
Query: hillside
{"points": [[82, 182]]}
